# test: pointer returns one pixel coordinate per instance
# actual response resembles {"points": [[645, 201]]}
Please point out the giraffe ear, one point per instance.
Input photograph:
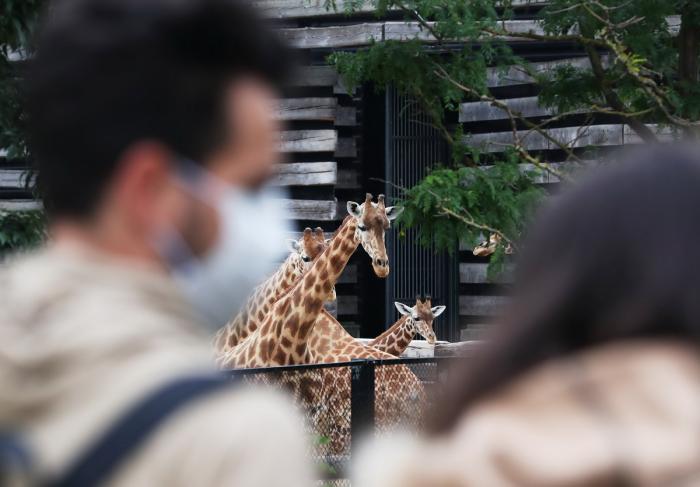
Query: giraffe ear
{"points": [[437, 310], [293, 245], [354, 209], [393, 211], [403, 309]]}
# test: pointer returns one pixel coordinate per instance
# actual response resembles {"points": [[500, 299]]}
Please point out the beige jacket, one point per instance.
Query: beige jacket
{"points": [[82, 337], [624, 414]]}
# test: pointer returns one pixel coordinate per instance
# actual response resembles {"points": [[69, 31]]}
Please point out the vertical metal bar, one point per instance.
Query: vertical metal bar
{"points": [[361, 402]]}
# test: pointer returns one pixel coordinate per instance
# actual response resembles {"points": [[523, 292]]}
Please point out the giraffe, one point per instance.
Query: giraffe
{"points": [[287, 336], [414, 320], [249, 318]]}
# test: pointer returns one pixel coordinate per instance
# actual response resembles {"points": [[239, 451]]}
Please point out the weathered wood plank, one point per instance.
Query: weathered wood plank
{"points": [[516, 75], [12, 178], [320, 210], [19, 205], [314, 76], [289, 109], [356, 35], [308, 141], [527, 107], [481, 305], [288, 9], [477, 273], [306, 174], [345, 116], [403, 31], [333, 36], [347, 147], [573, 137]]}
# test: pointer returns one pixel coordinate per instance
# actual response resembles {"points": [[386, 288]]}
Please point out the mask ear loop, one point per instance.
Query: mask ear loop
{"points": [[199, 182]]}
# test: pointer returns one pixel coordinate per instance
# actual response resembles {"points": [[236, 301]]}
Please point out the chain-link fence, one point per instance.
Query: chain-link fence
{"points": [[342, 402]]}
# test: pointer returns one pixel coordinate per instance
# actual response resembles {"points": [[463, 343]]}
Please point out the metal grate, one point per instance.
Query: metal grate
{"points": [[413, 146]]}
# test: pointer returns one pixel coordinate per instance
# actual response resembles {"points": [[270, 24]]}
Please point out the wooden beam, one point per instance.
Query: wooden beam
{"points": [[19, 205], [323, 109], [573, 137], [346, 117], [516, 75], [477, 273], [318, 210], [334, 36], [481, 305], [347, 147], [308, 141], [286, 9], [357, 35], [12, 178], [314, 76], [528, 107], [289, 9], [306, 174]]}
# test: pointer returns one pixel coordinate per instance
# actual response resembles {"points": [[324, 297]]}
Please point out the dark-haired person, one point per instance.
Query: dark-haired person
{"points": [[593, 377], [150, 129]]}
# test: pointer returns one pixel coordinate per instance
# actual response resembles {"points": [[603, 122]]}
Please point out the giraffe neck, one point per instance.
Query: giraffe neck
{"points": [[396, 339], [249, 318], [298, 310]]}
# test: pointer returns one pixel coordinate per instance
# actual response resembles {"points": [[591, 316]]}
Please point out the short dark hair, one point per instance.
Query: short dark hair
{"points": [[108, 73], [614, 259]]}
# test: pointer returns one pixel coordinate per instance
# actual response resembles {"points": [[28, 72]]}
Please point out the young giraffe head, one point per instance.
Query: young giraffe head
{"points": [[308, 248], [421, 316], [373, 220]]}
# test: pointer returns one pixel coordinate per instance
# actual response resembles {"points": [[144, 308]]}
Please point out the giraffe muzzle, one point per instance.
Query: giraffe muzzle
{"points": [[381, 267]]}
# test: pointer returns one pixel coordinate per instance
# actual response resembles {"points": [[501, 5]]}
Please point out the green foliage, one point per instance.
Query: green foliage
{"points": [[17, 22], [636, 76], [500, 196], [20, 230]]}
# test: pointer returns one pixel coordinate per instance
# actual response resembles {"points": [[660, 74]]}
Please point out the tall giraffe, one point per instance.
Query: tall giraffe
{"points": [[284, 338], [414, 320], [249, 318]]}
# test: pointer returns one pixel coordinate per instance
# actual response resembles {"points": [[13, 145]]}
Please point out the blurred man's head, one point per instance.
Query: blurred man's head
{"points": [[126, 96]]}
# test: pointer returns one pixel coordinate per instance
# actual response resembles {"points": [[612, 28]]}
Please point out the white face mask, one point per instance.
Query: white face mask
{"points": [[250, 245]]}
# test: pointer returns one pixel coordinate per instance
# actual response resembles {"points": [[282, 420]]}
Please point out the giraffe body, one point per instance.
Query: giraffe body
{"points": [[259, 304]]}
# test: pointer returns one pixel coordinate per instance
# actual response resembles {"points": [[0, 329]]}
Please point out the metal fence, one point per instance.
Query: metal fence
{"points": [[343, 402], [413, 147]]}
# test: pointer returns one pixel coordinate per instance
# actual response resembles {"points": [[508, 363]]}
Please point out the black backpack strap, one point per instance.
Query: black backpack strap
{"points": [[15, 458], [106, 454]]}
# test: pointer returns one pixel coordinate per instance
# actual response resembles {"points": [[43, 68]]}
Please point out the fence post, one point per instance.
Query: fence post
{"points": [[361, 401]]}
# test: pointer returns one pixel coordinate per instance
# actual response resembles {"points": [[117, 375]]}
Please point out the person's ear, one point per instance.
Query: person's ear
{"points": [[141, 186], [403, 309]]}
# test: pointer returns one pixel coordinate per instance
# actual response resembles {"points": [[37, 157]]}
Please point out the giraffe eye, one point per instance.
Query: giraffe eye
{"points": [[362, 228], [306, 258], [415, 318]]}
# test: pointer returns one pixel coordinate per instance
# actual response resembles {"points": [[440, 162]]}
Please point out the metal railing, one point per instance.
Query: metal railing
{"points": [[344, 402]]}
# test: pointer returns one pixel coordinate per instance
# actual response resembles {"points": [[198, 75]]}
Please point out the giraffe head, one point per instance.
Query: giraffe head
{"points": [[373, 220], [311, 244], [421, 316]]}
